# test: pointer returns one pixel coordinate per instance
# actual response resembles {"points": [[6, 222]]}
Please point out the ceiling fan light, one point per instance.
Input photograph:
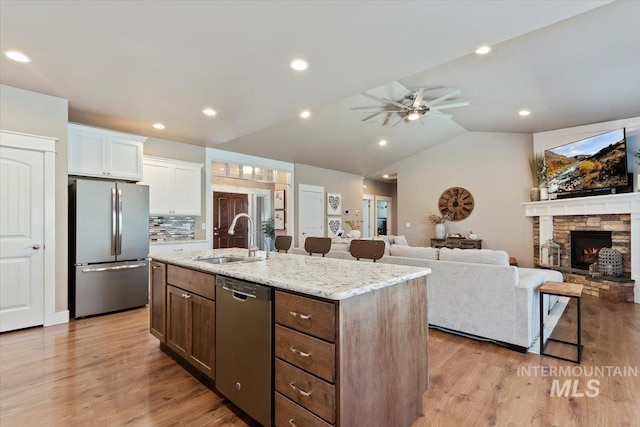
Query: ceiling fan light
{"points": [[414, 115]]}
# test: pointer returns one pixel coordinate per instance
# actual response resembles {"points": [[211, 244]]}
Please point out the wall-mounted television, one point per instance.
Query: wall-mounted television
{"points": [[595, 165]]}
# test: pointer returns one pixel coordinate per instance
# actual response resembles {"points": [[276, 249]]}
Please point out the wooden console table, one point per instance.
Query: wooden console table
{"points": [[456, 242], [562, 289]]}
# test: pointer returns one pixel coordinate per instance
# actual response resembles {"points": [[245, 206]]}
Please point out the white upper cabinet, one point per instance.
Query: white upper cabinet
{"points": [[104, 153], [174, 186]]}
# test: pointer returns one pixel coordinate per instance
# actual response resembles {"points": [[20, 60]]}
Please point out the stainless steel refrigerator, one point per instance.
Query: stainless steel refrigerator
{"points": [[108, 246]]}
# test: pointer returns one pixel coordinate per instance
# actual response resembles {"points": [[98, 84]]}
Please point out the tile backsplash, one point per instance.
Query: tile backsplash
{"points": [[171, 228]]}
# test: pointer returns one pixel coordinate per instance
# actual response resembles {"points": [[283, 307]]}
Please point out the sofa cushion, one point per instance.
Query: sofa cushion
{"points": [[400, 240], [414, 252], [476, 256]]}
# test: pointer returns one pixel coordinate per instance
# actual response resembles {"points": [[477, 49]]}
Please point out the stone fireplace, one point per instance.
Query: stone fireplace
{"points": [[582, 226], [586, 246]]}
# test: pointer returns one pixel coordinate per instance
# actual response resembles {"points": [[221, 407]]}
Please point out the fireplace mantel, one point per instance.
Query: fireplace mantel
{"points": [[625, 203]]}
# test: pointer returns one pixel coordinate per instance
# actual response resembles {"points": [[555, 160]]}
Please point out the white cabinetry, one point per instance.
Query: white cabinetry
{"points": [[104, 153], [174, 186]]}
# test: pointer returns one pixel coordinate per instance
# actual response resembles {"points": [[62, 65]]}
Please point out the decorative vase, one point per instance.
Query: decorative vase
{"points": [[441, 231], [544, 193], [534, 194], [354, 234]]}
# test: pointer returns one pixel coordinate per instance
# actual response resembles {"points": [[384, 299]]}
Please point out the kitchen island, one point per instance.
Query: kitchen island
{"points": [[350, 338]]}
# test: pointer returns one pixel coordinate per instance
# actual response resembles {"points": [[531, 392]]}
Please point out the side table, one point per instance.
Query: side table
{"points": [[563, 289]]}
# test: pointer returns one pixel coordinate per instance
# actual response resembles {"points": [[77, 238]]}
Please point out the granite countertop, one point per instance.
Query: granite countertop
{"points": [[329, 278], [178, 242]]}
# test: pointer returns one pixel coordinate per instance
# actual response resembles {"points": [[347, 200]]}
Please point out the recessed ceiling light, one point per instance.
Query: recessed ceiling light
{"points": [[385, 176], [17, 56], [382, 142], [524, 113], [158, 126], [483, 50], [299, 64], [209, 112], [305, 114]]}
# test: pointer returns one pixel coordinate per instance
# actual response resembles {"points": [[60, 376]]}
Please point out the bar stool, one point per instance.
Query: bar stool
{"points": [[563, 289], [367, 249], [283, 243], [317, 245]]}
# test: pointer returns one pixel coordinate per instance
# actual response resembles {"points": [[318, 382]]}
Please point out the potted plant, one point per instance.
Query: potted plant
{"points": [[269, 231], [355, 225], [538, 176], [439, 221]]}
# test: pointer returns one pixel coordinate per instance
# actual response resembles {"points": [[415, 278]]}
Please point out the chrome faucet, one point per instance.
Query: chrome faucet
{"points": [[252, 247]]}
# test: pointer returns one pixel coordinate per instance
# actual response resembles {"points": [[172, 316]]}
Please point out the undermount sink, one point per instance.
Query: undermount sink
{"points": [[220, 259]]}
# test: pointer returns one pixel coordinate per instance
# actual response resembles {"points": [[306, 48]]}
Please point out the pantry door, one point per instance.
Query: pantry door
{"points": [[21, 238]]}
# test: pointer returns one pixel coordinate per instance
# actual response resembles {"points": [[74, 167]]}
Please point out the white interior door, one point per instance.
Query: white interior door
{"points": [[367, 216], [310, 212], [21, 238]]}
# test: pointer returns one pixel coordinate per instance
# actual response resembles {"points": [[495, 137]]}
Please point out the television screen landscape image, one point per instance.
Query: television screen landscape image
{"points": [[598, 162]]}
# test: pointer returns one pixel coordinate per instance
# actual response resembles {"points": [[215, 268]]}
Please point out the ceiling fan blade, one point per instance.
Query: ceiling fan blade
{"points": [[436, 113], [386, 119], [394, 125], [384, 111], [421, 121], [371, 116], [442, 98], [397, 104], [418, 99], [452, 105]]}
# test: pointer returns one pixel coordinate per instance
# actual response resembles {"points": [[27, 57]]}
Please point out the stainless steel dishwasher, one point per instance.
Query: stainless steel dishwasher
{"points": [[244, 346]]}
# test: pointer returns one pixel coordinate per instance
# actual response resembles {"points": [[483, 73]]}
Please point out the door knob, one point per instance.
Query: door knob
{"points": [[35, 246]]}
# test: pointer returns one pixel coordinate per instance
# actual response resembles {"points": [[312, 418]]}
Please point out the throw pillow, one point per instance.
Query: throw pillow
{"points": [[400, 240]]}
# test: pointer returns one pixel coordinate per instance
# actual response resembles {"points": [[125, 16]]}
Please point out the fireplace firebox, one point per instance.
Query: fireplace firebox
{"points": [[586, 245]]}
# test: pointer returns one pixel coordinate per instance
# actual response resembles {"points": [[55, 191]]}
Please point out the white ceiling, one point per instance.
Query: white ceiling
{"points": [[126, 65]]}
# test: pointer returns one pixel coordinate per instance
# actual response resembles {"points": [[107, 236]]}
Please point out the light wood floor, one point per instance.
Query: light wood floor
{"points": [[108, 371]]}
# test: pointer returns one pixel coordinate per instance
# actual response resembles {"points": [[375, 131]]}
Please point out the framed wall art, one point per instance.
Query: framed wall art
{"points": [[333, 226], [279, 199], [334, 204], [279, 220]]}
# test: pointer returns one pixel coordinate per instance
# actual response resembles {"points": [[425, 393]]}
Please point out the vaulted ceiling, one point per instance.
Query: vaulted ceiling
{"points": [[126, 65]]}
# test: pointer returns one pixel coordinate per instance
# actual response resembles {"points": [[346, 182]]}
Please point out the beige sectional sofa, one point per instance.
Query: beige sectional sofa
{"points": [[475, 292]]}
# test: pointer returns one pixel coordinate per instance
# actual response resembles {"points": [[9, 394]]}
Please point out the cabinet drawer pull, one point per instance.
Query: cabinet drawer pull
{"points": [[186, 296], [292, 424], [299, 353], [155, 267], [302, 392], [300, 316]]}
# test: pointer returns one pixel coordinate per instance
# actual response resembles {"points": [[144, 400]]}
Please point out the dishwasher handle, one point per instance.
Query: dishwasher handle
{"points": [[237, 295]]}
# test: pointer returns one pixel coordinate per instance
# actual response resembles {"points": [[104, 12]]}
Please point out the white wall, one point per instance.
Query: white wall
{"points": [[493, 167], [38, 114], [347, 184], [553, 138]]}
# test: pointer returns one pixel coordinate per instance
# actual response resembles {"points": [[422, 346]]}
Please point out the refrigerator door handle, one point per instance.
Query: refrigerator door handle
{"points": [[113, 221], [120, 267], [119, 252]]}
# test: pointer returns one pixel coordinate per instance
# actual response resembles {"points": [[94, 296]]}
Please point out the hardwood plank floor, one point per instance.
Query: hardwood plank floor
{"points": [[109, 371]]}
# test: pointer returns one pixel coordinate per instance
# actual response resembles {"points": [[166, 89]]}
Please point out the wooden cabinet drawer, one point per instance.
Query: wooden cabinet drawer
{"points": [[312, 393], [199, 283], [308, 353], [313, 317], [288, 414]]}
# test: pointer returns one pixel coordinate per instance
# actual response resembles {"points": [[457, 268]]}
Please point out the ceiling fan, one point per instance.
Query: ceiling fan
{"points": [[416, 109]]}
